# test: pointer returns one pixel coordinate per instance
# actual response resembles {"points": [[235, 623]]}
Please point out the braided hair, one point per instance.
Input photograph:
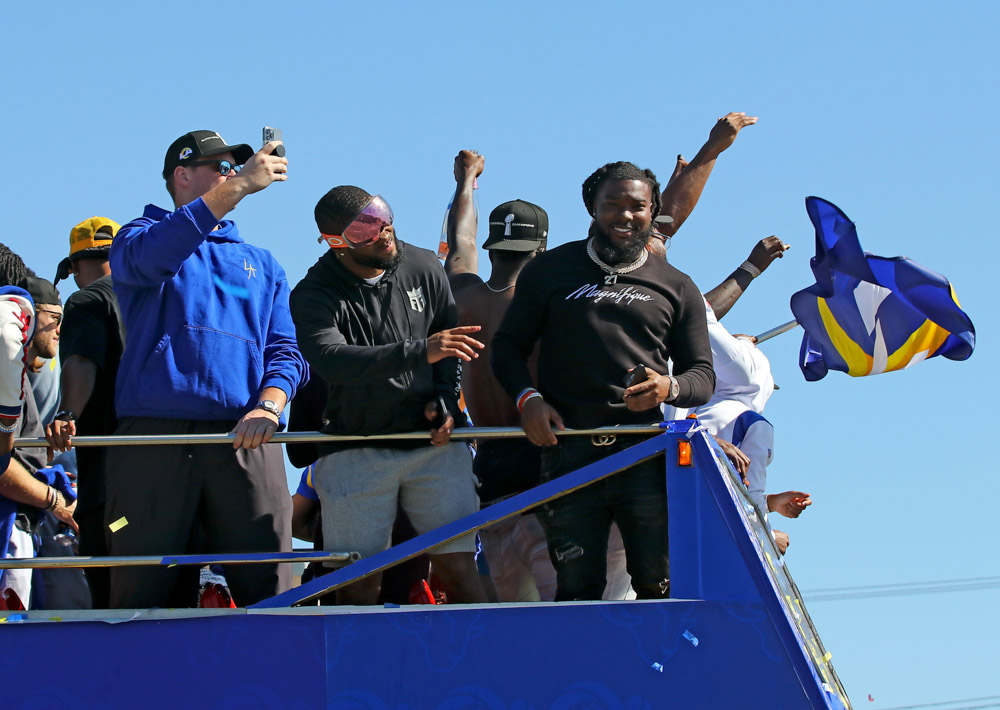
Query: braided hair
{"points": [[622, 170], [338, 208], [12, 269]]}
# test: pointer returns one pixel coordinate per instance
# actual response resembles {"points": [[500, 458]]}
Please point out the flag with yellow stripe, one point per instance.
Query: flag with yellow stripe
{"points": [[869, 314]]}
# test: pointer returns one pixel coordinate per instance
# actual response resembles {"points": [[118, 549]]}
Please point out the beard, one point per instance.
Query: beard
{"points": [[385, 263], [613, 253]]}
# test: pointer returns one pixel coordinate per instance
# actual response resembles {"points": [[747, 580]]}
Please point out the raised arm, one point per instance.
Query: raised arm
{"points": [[687, 182], [724, 296], [462, 255]]}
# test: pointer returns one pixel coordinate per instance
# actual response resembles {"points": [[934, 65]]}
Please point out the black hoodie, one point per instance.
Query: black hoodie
{"points": [[369, 343]]}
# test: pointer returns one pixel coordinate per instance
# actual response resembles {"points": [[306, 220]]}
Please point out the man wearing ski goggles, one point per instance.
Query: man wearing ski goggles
{"points": [[376, 320], [365, 229]]}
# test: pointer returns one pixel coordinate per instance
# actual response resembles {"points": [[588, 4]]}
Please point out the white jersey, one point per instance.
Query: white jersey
{"points": [[17, 328], [743, 384]]}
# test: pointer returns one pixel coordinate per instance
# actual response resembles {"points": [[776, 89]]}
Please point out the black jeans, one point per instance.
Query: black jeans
{"points": [[577, 525]]}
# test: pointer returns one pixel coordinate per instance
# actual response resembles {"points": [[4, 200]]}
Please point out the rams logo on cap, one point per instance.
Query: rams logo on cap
{"points": [[185, 154]]}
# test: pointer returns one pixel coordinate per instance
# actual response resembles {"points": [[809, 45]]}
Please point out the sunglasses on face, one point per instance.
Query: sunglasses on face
{"points": [[367, 226], [57, 318], [223, 166]]}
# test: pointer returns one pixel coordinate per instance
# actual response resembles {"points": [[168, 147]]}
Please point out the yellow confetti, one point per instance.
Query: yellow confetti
{"points": [[118, 524], [3, 620], [55, 618], [828, 656]]}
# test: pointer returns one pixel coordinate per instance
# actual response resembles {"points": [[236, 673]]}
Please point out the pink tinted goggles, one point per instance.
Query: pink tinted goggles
{"points": [[366, 227]]}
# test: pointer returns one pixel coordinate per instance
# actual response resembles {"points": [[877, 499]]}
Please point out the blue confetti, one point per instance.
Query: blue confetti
{"points": [[691, 637], [389, 605], [237, 291], [16, 617], [658, 667]]}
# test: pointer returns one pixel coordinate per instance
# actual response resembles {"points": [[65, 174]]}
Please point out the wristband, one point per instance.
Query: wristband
{"points": [[750, 269], [50, 503], [526, 394]]}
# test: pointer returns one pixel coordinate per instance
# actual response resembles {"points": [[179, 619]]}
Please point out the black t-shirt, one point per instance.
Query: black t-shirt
{"points": [[592, 332], [92, 328]]}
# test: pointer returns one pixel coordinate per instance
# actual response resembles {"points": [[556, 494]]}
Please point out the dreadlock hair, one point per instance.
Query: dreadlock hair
{"points": [[12, 269], [338, 208], [621, 170]]}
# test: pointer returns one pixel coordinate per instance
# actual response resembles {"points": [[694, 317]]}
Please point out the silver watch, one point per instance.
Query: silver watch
{"points": [[270, 406], [675, 389]]}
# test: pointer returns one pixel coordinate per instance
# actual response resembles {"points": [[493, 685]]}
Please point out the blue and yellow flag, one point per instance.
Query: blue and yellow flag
{"points": [[869, 314]]}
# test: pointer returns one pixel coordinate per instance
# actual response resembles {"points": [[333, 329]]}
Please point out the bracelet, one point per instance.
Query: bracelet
{"points": [[526, 394], [750, 269], [8, 429], [50, 503]]}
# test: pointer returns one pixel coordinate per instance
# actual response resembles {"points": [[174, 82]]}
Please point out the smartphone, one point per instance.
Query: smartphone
{"points": [[636, 375], [442, 414], [274, 134]]}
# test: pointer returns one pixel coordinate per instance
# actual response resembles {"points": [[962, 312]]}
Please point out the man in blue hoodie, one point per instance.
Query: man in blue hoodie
{"points": [[211, 348]]}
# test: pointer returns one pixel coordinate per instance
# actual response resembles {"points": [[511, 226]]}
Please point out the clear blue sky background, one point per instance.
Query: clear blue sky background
{"points": [[886, 109]]}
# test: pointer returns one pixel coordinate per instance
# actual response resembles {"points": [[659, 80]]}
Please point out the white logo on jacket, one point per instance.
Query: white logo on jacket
{"points": [[417, 301], [593, 291]]}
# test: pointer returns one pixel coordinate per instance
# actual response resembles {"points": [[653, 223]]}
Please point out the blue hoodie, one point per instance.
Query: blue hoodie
{"points": [[206, 317]]}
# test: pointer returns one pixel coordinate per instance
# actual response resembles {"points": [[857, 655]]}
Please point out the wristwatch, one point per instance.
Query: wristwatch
{"points": [[675, 389], [65, 415], [269, 406]]}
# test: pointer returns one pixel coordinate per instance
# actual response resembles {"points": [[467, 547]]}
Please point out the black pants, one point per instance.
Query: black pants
{"points": [[239, 499], [578, 524]]}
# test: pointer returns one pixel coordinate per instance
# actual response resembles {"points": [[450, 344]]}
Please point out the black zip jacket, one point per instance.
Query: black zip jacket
{"points": [[369, 343]]}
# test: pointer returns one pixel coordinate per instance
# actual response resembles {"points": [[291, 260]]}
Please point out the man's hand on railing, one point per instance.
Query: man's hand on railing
{"points": [[255, 428], [740, 461], [537, 419], [781, 541], [60, 435]]}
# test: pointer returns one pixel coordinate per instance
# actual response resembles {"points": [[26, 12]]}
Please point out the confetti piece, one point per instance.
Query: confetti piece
{"points": [[118, 524], [658, 667], [55, 618], [16, 617], [827, 657], [691, 637], [388, 605]]}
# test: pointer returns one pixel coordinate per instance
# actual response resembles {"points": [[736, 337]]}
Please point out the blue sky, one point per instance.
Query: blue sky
{"points": [[887, 109]]}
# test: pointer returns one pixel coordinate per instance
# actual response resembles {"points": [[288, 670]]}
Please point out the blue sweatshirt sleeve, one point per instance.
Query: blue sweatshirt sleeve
{"points": [[284, 365], [149, 251]]}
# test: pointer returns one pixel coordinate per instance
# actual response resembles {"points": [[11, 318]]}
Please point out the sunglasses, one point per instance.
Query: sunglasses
{"points": [[57, 317], [366, 227], [663, 238], [223, 166]]}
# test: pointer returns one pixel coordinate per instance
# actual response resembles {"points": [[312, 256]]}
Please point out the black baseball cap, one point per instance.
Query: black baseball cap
{"points": [[517, 226], [201, 144]]}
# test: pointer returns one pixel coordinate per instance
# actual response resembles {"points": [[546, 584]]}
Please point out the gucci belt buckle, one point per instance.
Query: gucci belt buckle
{"points": [[603, 439]]}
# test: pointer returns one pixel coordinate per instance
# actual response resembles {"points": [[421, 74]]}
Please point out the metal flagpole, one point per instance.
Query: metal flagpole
{"points": [[768, 334]]}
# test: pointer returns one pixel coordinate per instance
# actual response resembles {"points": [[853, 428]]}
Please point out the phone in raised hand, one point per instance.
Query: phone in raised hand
{"points": [[274, 134]]}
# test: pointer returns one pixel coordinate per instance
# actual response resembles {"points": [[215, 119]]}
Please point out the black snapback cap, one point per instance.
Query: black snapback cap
{"points": [[201, 144], [517, 226]]}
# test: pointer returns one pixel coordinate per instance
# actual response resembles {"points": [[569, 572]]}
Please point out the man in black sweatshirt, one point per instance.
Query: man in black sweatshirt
{"points": [[599, 307], [376, 319]]}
